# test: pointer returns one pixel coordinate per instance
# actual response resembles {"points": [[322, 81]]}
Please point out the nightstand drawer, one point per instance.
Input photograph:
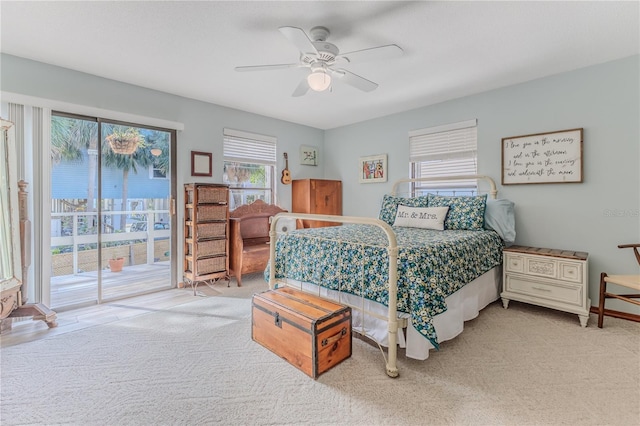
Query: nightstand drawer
{"points": [[553, 292], [571, 272], [541, 267], [513, 263]]}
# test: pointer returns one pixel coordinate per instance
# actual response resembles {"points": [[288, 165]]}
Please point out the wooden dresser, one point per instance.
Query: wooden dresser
{"points": [[316, 196], [552, 278], [206, 232]]}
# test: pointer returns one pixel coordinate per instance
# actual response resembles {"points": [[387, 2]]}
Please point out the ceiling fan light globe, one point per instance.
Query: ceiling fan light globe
{"points": [[319, 81]]}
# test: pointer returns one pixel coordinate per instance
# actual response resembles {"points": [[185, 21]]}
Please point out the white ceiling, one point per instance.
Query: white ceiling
{"points": [[451, 49]]}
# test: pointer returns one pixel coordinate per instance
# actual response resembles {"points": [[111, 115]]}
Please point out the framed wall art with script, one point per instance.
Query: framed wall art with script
{"points": [[552, 157]]}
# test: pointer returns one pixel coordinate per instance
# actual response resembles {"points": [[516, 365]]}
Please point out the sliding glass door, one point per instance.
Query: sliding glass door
{"points": [[111, 221]]}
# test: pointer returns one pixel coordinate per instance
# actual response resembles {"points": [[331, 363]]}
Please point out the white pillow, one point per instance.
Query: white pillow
{"points": [[421, 217]]}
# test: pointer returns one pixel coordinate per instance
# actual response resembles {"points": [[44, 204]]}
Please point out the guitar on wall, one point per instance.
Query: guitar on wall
{"points": [[286, 176]]}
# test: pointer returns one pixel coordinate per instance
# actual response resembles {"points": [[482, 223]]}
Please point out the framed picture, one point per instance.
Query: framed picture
{"points": [[552, 157], [201, 163], [308, 155], [373, 169]]}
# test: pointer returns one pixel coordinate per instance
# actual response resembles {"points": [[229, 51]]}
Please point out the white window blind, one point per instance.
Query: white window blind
{"points": [[438, 152], [247, 147], [249, 167]]}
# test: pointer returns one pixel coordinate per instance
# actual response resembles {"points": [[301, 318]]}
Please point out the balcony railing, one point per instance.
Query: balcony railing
{"points": [[75, 233]]}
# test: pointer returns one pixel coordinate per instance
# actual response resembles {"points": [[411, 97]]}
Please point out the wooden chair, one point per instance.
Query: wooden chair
{"points": [[628, 281], [249, 237]]}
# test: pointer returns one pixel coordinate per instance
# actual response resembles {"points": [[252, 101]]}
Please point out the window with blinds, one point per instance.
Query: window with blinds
{"points": [[442, 151], [249, 167]]}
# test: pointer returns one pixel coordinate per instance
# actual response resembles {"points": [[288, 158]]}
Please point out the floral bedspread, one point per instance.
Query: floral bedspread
{"points": [[353, 258]]}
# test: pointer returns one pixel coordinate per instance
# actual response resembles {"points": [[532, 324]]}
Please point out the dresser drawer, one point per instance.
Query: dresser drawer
{"points": [[547, 268], [550, 291], [513, 263], [570, 271], [541, 267]]}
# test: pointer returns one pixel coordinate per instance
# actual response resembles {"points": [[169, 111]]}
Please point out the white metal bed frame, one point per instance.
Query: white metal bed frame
{"points": [[394, 323]]}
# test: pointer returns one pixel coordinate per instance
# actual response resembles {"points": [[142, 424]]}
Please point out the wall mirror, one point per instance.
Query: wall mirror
{"points": [[10, 262]]}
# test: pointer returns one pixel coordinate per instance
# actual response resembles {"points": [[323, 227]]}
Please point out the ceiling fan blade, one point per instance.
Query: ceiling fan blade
{"points": [[299, 38], [266, 67], [372, 53], [302, 88], [354, 80]]}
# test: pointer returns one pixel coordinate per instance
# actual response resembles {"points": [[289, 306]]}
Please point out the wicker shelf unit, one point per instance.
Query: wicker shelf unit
{"points": [[206, 233]]}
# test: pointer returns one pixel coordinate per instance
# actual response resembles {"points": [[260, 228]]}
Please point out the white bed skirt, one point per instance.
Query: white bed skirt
{"points": [[463, 305]]}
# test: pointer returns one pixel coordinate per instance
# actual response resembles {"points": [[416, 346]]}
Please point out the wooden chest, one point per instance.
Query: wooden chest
{"points": [[312, 333]]}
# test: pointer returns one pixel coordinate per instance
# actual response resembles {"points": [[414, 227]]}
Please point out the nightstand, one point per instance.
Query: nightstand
{"points": [[556, 279]]}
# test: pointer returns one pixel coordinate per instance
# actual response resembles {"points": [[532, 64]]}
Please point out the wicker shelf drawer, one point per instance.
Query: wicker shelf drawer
{"points": [[208, 265], [211, 212], [207, 195], [206, 231], [210, 230], [211, 248]]}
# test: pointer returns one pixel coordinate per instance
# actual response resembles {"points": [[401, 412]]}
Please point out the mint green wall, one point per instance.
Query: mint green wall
{"points": [[593, 216]]}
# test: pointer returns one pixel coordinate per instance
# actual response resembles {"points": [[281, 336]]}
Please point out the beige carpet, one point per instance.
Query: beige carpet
{"points": [[196, 364]]}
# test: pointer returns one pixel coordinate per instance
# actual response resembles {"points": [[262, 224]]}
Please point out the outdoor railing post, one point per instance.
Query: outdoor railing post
{"points": [[151, 219], [74, 228]]}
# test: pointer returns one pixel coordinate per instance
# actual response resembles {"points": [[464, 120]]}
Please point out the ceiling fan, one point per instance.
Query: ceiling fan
{"points": [[323, 59]]}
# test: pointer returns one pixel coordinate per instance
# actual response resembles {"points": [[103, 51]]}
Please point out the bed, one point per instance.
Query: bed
{"points": [[412, 276]]}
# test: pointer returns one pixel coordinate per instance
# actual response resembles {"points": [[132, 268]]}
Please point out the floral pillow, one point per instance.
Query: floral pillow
{"points": [[389, 207], [465, 212]]}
